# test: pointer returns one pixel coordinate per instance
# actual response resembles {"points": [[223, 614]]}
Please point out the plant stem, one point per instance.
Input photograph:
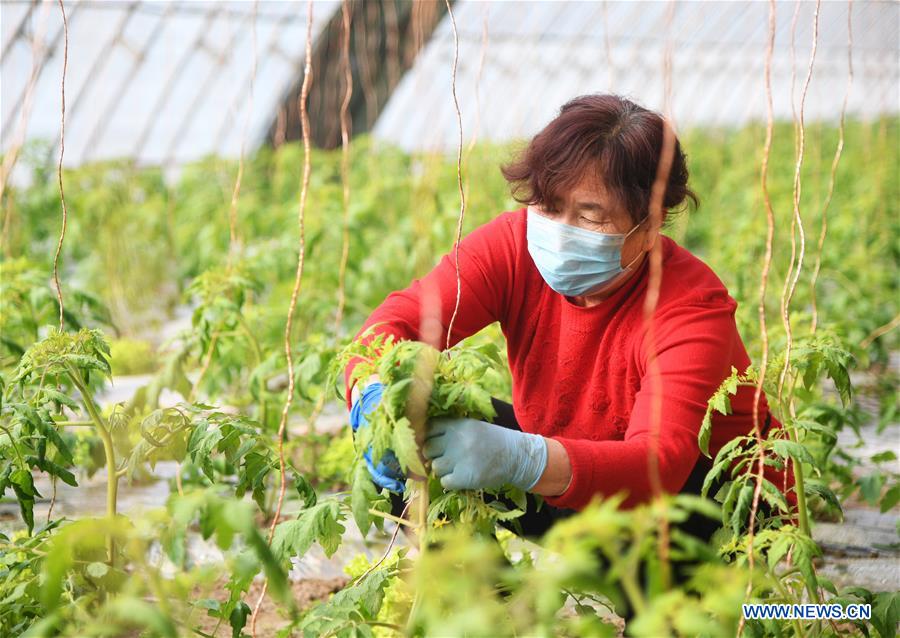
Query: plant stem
{"points": [[391, 517], [112, 478], [257, 353], [780, 587], [311, 428], [803, 515], [207, 359], [423, 515], [421, 529], [15, 447], [791, 433], [388, 625], [629, 584], [629, 579]]}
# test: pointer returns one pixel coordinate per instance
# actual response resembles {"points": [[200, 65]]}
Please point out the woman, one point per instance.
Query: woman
{"points": [[566, 276]]}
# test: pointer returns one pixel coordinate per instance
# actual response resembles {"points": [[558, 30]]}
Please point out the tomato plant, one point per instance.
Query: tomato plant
{"points": [[125, 573]]}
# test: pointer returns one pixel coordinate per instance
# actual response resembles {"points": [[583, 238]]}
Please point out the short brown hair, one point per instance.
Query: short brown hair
{"points": [[614, 137]]}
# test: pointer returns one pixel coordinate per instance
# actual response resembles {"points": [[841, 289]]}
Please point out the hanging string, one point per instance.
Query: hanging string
{"points": [[295, 293], [759, 459], [481, 58], [345, 162], [425, 366], [880, 332], [345, 233], [304, 119], [834, 165], [651, 300], [610, 69], [12, 155], [280, 127], [791, 282], [462, 195], [392, 54], [793, 58], [232, 212], [795, 18], [62, 197], [797, 221], [59, 168], [370, 93]]}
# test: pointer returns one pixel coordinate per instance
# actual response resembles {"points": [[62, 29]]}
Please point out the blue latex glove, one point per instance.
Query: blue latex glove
{"points": [[471, 454], [387, 473]]}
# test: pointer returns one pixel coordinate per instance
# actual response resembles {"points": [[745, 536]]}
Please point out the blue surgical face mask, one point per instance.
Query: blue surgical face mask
{"points": [[574, 261]]}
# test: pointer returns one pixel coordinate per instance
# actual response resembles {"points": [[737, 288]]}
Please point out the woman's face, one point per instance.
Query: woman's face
{"points": [[590, 206]]}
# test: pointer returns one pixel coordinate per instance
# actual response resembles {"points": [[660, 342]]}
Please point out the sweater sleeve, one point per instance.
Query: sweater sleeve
{"points": [[422, 311], [693, 342]]}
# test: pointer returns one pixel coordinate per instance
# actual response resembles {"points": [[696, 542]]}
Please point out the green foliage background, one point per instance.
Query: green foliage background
{"points": [[143, 245], [136, 241]]}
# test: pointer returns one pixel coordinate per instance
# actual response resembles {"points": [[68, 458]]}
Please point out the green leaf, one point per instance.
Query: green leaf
{"points": [[838, 372], [201, 444], [886, 613], [732, 382], [721, 403], [779, 549], [23, 486], [805, 549], [705, 506], [739, 516], [238, 618], [823, 492], [49, 430], [134, 611], [705, 432], [403, 442], [891, 498], [395, 396], [363, 492], [320, 523], [59, 398], [306, 373], [518, 497], [359, 602], [773, 496], [884, 457], [870, 487], [794, 450], [305, 490], [713, 475], [811, 373], [53, 469], [479, 402], [278, 582], [87, 362]]}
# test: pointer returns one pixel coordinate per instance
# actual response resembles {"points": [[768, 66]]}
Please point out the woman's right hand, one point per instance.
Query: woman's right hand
{"points": [[387, 473]]}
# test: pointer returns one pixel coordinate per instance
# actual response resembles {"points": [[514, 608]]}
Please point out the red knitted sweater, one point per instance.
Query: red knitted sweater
{"points": [[581, 375]]}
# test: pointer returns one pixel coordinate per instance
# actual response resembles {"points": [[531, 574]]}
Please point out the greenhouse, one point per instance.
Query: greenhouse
{"points": [[449, 318]]}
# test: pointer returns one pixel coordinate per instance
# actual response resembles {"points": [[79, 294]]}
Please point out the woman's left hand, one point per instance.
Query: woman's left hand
{"points": [[472, 454]]}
